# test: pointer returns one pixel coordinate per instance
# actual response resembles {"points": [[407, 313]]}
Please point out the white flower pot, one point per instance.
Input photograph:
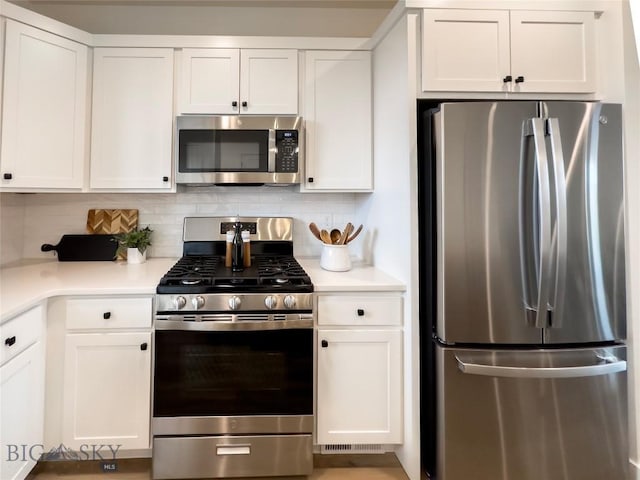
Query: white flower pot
{"points": [[134, 256], [335, 258]]}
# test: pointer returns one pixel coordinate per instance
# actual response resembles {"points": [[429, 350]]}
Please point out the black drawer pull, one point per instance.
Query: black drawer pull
{"points": [[360, 312], [165, 179], [324, 344], [106, 315], [310, 179], [520, 79], [10, 341], [7, 176], [507, 79], [234, 104], [144, 346], [244, 104]]}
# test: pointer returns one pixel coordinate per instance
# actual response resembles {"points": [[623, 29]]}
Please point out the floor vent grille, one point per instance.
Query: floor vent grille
{"points": [[338, 448]]}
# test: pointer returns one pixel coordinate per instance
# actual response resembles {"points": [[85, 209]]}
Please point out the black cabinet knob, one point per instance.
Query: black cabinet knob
{"points": [[520, 79], [10, 341], [324, 344], [244, 104], [144, 346], [310, 179], [507, 79], [234, 104], [165, 179], [7, 176], [106, 315], [360, 312]]}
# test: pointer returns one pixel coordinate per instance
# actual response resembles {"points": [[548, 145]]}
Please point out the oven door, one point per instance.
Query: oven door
{"points": [[233, 381]]}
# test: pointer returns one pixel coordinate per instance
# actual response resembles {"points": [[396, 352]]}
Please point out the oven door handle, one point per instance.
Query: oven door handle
{"points": [[205, 323]]}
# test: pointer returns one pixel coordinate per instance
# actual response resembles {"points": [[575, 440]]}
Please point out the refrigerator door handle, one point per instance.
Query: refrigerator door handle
{"points": [[559, 240], [609, 365], [544, 207]]}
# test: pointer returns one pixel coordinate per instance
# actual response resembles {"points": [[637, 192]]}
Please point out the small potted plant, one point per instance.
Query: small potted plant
{"points": [[135, 242]]}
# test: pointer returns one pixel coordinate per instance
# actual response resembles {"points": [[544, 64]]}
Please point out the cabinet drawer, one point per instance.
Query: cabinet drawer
{"points": [[359, 310], [109, 312], [20, 332]]}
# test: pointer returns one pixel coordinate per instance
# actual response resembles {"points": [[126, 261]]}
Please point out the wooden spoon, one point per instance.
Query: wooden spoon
{"points": [[356, 233], [335, 236], [315, 230], [345, 234], [325, 236]]}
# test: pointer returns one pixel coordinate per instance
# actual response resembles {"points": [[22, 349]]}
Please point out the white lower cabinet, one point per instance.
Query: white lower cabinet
{"points": [[21, 394], [107, 385], [359, 378], [106, 394]]}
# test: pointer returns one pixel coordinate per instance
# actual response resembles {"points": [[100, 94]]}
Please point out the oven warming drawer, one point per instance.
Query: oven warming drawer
{"points": [[232, 456]]}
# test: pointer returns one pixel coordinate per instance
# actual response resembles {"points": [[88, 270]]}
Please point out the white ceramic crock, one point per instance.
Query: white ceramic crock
{"points": [[134, 256], [335, 258]]}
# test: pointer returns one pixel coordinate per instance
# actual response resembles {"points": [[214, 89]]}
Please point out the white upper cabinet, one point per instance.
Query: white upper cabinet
{"points": [[45, 97], [508, 51], [132, 119], [553, 51], [337, 113], [233, 81]]}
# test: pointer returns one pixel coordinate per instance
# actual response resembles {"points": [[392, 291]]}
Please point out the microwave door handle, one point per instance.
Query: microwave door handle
{"points": [[273, 151]]}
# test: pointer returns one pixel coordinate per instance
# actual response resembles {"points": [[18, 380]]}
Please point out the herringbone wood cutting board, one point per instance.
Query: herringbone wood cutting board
{"points": [[112, 220]]}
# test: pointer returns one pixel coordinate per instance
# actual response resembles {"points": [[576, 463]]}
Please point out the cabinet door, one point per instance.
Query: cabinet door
{"points": [[269, 82], [21, 412], [359, 386], [338, 121], [45, 95], [107, 389], [465, 50], [132, 118], [209, 82], [553, 51]]}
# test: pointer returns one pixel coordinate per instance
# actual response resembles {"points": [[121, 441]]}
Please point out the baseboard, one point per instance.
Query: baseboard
{"points": [[378, 460]]}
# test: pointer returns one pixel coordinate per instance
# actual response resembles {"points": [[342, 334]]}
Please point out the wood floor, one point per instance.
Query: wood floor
{"points": [[349, 473], [328, 467]]}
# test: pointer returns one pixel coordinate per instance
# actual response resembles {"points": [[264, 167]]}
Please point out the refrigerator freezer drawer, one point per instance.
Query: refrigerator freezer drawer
{"points": [[531, 415]]}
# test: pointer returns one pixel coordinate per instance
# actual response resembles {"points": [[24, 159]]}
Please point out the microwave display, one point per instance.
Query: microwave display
{"points": [[238, 150]]}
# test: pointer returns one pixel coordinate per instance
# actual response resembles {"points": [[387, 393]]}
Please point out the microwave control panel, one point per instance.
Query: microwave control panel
{"points": [[287, 151]]}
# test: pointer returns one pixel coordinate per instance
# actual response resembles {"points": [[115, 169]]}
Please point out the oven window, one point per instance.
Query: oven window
{"points": [[233, 373], [223, 150]]}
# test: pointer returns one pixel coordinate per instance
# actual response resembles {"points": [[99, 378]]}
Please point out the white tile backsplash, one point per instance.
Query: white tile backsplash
{"points": [[28, 221]]}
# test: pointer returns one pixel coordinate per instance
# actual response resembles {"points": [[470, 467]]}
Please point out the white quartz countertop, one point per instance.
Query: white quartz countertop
{"points": [[25, 285], [359, 278]]}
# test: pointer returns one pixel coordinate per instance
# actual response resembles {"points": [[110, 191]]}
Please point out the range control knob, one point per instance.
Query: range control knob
{"points": [[289, 301], [270, 302], [197, 302], [180, 302], [234, 303]]}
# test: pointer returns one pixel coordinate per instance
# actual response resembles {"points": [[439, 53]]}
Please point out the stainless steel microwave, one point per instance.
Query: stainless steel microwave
{"points": [[239, 150]]}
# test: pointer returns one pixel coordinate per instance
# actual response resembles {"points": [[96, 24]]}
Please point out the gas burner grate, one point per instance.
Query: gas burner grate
{"points": [[281, 266], [192, 270]]}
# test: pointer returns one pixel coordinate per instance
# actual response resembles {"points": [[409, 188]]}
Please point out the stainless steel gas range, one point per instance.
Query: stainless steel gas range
{"points": [[233, 375]]}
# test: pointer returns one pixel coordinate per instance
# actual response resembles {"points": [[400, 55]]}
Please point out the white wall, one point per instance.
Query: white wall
{"points": [[196, 18], [28, 221], [11, 227], [391, 212], [632, 164]]}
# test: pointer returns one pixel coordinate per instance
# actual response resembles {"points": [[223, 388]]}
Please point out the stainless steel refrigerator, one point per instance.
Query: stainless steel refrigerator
{"points": [[522, 291]]}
